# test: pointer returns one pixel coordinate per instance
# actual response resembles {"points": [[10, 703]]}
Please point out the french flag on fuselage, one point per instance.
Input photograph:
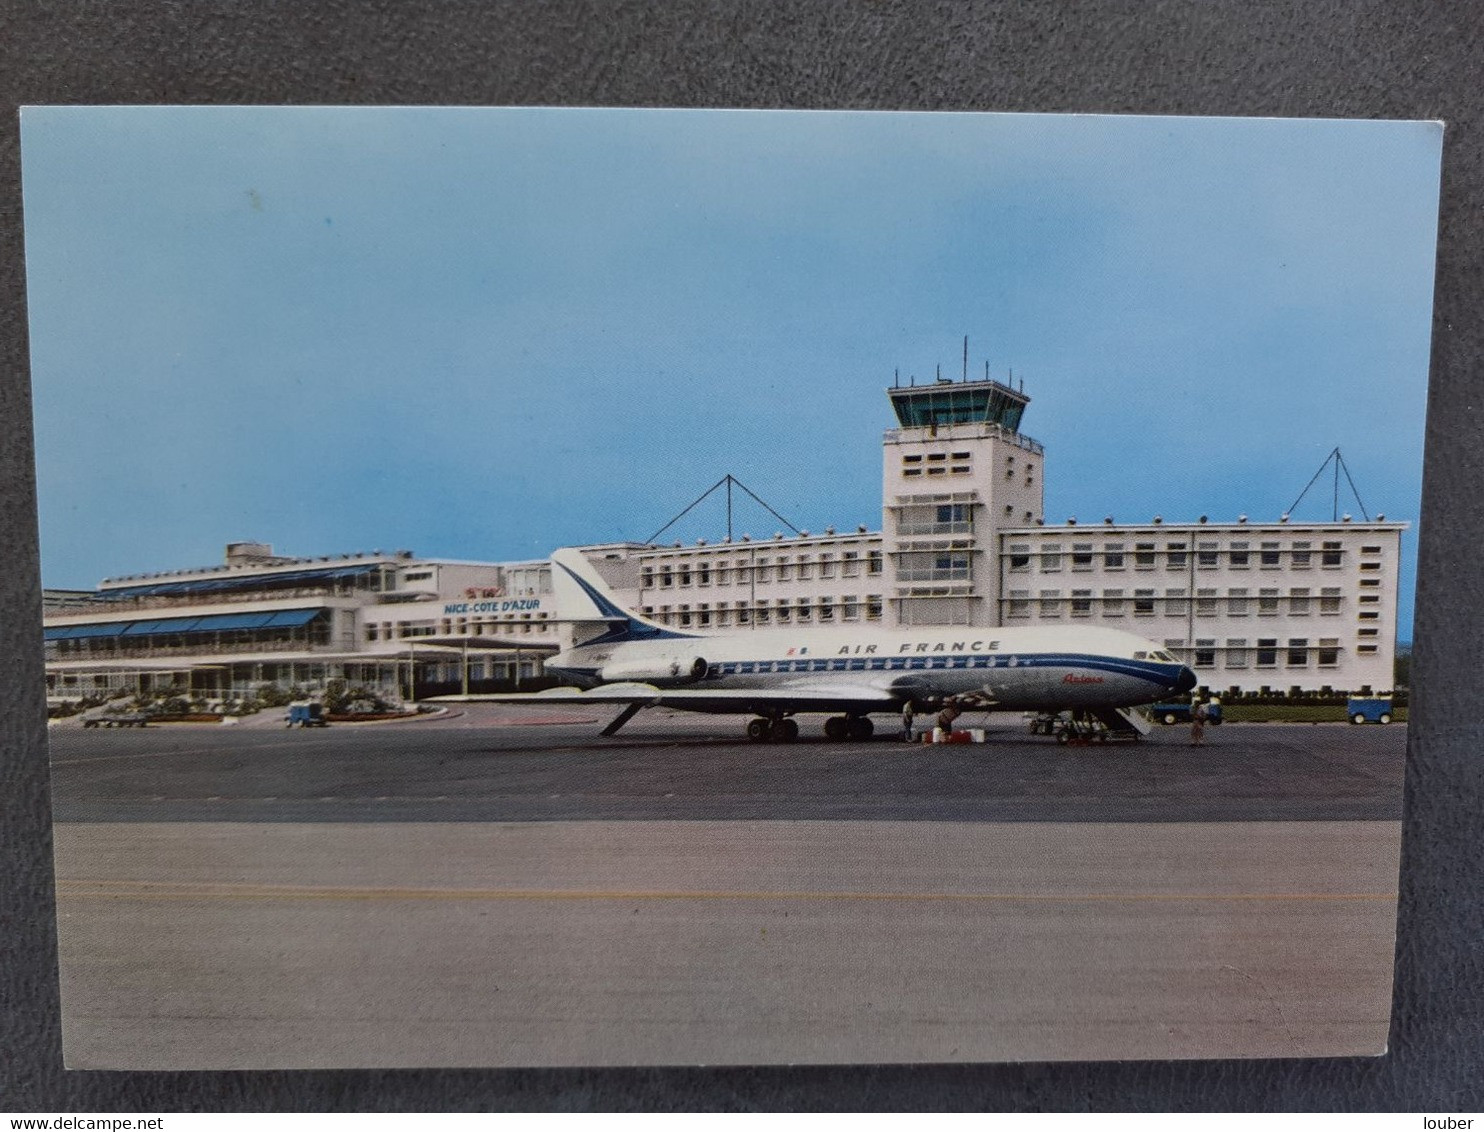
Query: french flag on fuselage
{"points": [[797, 652]]}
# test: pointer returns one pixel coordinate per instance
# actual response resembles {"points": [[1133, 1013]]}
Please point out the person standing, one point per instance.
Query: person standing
{"points": [[907, 720], [1198, 713], [945, 723]]}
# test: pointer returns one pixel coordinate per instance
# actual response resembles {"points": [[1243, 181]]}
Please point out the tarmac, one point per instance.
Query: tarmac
{"points": [[484, 890]]}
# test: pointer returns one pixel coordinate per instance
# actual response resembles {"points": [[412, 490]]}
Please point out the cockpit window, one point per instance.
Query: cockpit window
{"points": [[1162, 656], [1141, 656]]}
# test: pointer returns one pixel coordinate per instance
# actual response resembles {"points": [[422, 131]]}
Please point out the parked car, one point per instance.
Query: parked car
{"points": [[306, 713]]}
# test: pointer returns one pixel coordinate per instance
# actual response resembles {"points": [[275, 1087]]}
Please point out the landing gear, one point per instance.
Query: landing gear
{"points": [[848, 727], [777, 730]]}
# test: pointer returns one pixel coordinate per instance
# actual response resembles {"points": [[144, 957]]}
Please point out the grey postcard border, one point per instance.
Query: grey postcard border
{"points": [[1328, 59]]}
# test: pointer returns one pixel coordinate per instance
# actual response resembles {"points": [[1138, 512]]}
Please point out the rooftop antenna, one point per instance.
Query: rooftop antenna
{"points": [[966, 357], [728, 481], [1339, 462]]}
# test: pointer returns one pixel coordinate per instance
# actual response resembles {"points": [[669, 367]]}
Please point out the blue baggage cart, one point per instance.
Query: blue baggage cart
{"points": [[1369, 709]]}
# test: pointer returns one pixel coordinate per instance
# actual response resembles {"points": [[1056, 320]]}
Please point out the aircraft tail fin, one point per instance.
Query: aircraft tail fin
{"points": [[582, 596]]}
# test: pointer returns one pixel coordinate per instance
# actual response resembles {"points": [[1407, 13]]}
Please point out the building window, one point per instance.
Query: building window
{"points": [[1298, 652], [667, 577], [1329, 599], [1367, 649], [1238, 555], [1205, 653], [704, 574], [1267, 652], [1143, 603], [1236, 652], [1019, 604], [873, 562], [685, 574], [1298, 602], [1207, 555], [1329, 652], [851, 609], [1301, 556], [723, 573], [1113, 556], [827, 609], [1175, 558], [1081, 603], [1205, 603], [1268, 557], [873, 607], [646, 577], [1330, 555], [826, 566], [802, 611], [785, 570], [1236, 602], [1051, 603], [1143, 556], [1020, 557], [1082, 556], [1050, 557], [1267, 603], [851, 566], [1175, 602], [806, 570], [1112, 603]]}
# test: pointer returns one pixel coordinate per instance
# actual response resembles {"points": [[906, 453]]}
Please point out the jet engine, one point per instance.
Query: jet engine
{"points": [[655, 670]]}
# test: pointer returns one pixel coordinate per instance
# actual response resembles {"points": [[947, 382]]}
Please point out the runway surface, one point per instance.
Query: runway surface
{"points": [[477, 766], [475, 892]]}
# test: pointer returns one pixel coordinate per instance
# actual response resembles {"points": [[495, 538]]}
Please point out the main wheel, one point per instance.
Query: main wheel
{"points": [[757, 730], [861, 727], [784, 731], [836, 727]]}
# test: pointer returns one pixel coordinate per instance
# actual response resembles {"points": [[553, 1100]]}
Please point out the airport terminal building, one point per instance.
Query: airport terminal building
{"points": [[1281, 606]]}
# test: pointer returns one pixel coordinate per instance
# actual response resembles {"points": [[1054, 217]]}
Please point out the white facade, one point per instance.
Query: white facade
{"points": [[1279, 606], [1250, 606]]}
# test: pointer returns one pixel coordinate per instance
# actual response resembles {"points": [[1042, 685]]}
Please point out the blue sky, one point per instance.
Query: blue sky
{"points": [[482, 333]]}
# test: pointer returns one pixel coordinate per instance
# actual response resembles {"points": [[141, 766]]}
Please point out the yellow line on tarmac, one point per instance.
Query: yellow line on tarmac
{"points": [[159, 890]]}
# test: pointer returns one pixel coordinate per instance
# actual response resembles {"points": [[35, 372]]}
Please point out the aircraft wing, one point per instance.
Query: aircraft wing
{"points": [[762, 701]]}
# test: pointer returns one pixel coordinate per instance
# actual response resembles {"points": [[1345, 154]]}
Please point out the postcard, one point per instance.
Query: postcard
{"points": [[550, 587]]}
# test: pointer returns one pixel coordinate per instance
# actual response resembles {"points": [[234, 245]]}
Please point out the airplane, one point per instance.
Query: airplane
{"points": [[616, 657]]}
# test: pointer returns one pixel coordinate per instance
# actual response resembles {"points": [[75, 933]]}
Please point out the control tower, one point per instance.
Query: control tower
{"points": [[954, 472]]}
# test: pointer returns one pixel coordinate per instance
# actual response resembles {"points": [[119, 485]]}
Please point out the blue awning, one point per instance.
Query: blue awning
{"points": [[73, 632], [186, 626], [292, 617]]}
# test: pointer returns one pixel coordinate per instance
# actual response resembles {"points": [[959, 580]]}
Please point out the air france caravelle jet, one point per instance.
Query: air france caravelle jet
{"points": [[623, 659]]}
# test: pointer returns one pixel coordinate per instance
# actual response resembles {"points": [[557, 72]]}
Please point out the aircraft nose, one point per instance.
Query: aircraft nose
{"points": [[1186, 680]]}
